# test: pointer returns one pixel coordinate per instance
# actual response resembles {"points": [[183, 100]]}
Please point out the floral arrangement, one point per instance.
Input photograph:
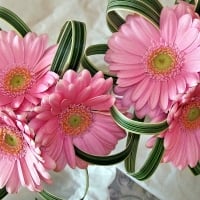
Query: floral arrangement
{"points": [[59, 109]]}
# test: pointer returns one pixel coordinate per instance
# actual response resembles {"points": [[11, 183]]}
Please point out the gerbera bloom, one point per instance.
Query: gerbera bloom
{"points": [[182, 139], [24, 69], [77, 113], [154, 65], [20, 161]]}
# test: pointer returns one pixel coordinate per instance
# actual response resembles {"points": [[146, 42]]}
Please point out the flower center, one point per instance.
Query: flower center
{"points": [[75, 119], [11, 141], [17, 81], [191, 115], [163, 62]]}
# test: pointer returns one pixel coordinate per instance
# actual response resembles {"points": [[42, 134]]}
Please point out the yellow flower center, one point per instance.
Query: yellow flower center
{"points": [[75, 119], [191, 115], [17, 80], [163, 62], [11, 142]]}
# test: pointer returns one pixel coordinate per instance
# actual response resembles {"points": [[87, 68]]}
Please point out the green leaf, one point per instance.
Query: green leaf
{"points": [[12, 19], [134, 126], [3, 193], [104, 160], [151, 163], [195, 170], [87, 184], [71, 44], [48, 196], [129, 162], [95, 50], [146, 8]]}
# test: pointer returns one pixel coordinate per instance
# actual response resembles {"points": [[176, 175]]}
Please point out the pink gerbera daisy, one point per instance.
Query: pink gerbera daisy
{"points": [[154, 65], [20, 161], [182, 139], [24, 69], [77, 113]]}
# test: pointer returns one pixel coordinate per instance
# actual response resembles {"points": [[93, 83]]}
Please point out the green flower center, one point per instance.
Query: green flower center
{"points": [[76, 119], [11, 141], [163, 62], [17, 80], [191, 115]]}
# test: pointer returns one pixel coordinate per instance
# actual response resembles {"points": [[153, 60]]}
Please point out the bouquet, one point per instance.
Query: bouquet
{"points": [[59, 109]]}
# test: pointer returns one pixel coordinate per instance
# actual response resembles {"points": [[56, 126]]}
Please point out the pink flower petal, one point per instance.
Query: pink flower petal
{"points": [[141, 103], [31, 168], [6, 171], [192, 79], [6, 52], [13, 183], [168, 25], [192, 150], [184, 42], [69, 151], [140, 89], [184, 23], [103, 102], [192, 66], [154, 99], [181, 84], [120, 43], [35, 52], [125, 58], [172, 89], [164, 96], [17, 102], [137, 30], [61, 161], [94, 146]]}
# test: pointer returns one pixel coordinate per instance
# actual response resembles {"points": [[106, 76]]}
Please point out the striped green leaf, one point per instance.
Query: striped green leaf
{"points": [[87, 64], [129, 162], [134, 126], [71, 44], [146, 8], [150, 164], [48, 196], [12, 19]]}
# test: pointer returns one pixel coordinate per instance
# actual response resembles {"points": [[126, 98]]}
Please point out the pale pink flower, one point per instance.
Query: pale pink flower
{"points": [[77, 113], [24, 69], [182, 139], [154, 65], [21, 163]]}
